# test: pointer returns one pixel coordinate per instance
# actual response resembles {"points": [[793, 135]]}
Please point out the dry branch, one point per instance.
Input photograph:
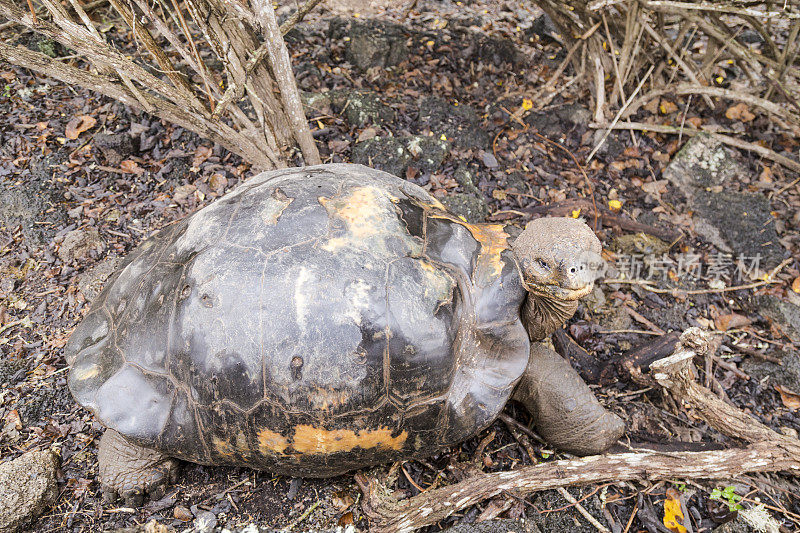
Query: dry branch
{"points": [[763, 151], [263, 123], [697, 37], [768, 452]]}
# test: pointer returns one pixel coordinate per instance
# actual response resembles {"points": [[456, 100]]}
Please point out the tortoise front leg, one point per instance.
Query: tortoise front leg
{"points": [[565, 411], [130, 471]]}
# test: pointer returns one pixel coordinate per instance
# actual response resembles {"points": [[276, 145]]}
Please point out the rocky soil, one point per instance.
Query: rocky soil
{"points": [[446, 97]]}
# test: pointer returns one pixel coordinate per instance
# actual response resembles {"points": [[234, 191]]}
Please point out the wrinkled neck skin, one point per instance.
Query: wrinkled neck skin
{"points": [[543, 315]]}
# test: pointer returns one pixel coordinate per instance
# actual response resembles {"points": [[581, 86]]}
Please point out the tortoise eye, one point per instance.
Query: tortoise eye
{"points": [[541, 263]]}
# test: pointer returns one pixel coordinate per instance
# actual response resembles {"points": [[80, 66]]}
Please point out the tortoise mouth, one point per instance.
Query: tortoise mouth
{"points": [[559, 292]]}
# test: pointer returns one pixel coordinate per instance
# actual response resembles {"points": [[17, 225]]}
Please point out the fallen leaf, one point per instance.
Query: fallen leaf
{"points": [[499, 194], [337, 145], [80, 488], [346, 519], [741, 112], [673, 514], [695, 121], [13, 419], [367, 134], [614, 205], [796, 285], [666, 107], [182, 192], [790, 399], [130, 167], [488, 159], [527, 104], [217, 182], [78, 125], [200, 155], [731, 321], [342, 500]]}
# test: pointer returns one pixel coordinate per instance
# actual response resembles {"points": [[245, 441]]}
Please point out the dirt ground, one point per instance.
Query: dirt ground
{"points": [[453, 89]]}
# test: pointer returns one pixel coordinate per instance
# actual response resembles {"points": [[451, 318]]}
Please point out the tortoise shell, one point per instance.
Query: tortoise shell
{"points": [[310, 322]]}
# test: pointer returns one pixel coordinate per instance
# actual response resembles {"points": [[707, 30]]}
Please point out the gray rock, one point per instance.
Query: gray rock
{"points": [[554, 123], [496, 526], [371, 43], [428, 152], [362, 107], [498, 51], [735, 222], [27, 488], [79, 244], [205, 522], [787, 315], [396, 154], [384, 153], [787, 374], [734, 526], [703, 163], [473, 208], [459, 123], [35, 203], [115, 147]]}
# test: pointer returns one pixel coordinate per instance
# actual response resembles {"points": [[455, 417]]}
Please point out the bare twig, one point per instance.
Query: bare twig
{"points": [[719, 8], [233, 91], [676, 57], [725, 139], [581, 509], [619, 114]]}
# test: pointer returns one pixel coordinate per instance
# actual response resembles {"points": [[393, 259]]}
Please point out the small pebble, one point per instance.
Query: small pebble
{"points": [[206, 522], [182, 513]]}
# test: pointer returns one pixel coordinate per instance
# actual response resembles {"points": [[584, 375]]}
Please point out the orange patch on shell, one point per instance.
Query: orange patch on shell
{"points": [[223, 447], [493, 240], [309, 439], [270, 442]]}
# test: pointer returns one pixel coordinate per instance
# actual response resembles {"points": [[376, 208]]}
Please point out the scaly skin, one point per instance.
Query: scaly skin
{"points": [[130, 471], [565, 411]]}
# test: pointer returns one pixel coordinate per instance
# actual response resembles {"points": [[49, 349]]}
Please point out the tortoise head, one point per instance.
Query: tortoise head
{"points": [[559, 258]]}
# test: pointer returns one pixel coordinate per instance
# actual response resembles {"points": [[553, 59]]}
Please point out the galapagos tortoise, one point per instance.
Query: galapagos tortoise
{"points": [[318, 320]]}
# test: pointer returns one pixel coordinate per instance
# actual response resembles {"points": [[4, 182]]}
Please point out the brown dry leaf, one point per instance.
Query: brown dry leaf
{"points": [[796, 285], [13, 419], [367, 134], [342, 500], [78, 125], [790, 399], [741, 112], [730, 321], [695, 121], [666, 107], [80, 488], [346, 519], [673, 514], [130, 167], [200, 155]]}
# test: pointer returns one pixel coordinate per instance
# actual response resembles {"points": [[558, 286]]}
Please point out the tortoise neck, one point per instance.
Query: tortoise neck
{"points": [[542, 315]]}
